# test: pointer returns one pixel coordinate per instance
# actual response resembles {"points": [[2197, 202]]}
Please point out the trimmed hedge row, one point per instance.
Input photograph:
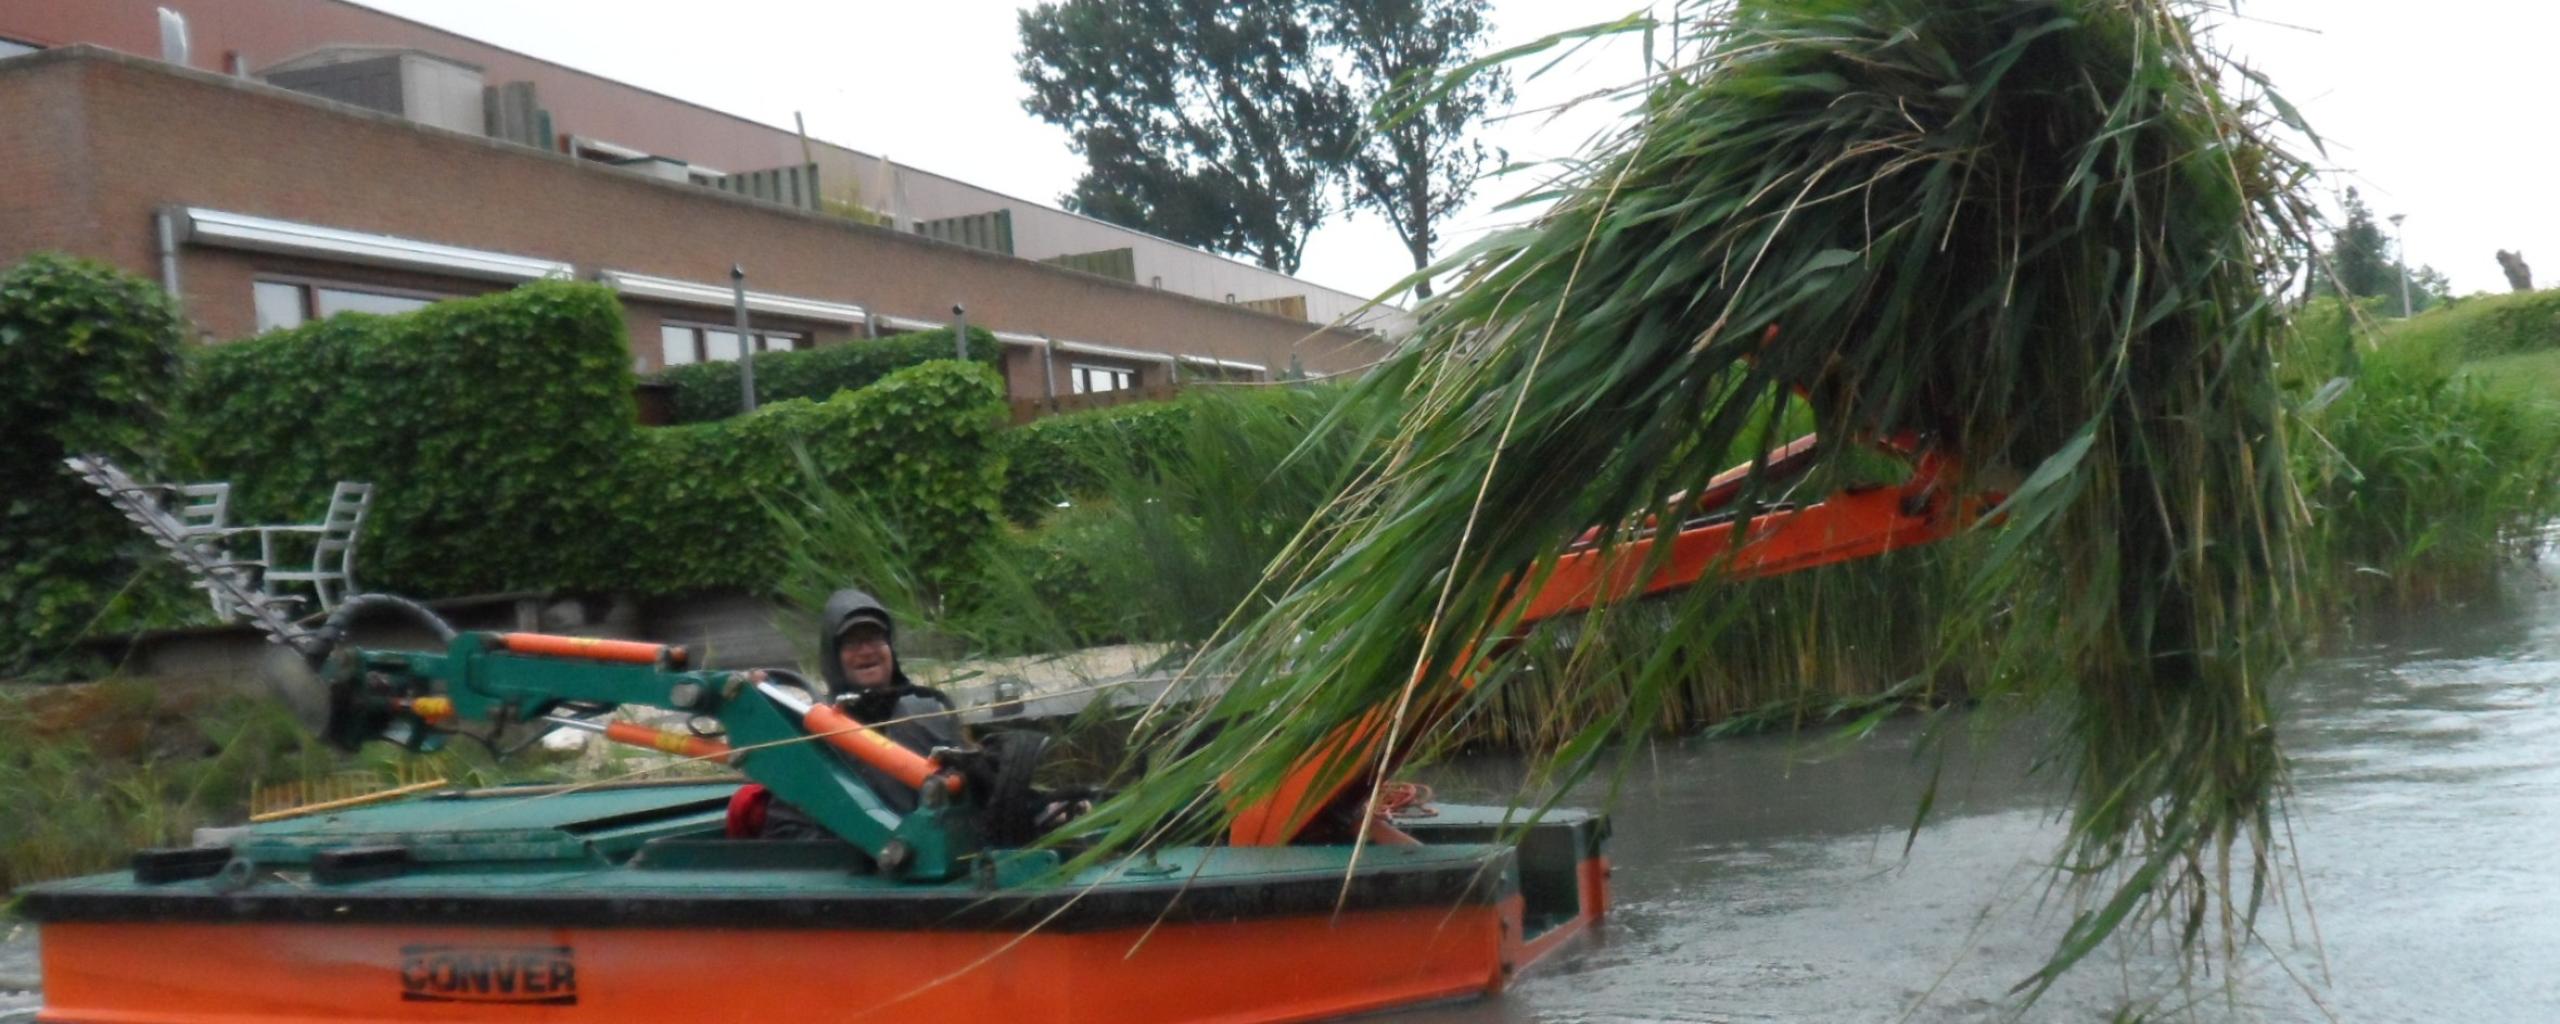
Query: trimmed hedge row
{"points": [[709, 391], [490, 428], [499, 434], [91, 356], [920, 443], [1059, 458]]}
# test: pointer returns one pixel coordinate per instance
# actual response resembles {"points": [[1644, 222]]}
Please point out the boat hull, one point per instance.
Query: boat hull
{"points": [[621, 909]]}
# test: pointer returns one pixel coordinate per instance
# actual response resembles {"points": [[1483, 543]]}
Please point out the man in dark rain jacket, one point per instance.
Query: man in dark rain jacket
{"points": [[858, 655]]}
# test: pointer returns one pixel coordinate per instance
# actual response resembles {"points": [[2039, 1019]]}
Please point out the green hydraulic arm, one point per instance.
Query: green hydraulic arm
{"points": [[480, 680]]}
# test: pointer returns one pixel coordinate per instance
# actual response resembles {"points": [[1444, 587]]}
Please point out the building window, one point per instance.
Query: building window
{"points": [[1089, 379], [681, 343], [283, 304]]}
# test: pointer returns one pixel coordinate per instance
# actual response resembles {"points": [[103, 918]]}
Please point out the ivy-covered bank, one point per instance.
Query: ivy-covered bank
{"points": [[710, 391], [499, 433], [88, 360]]}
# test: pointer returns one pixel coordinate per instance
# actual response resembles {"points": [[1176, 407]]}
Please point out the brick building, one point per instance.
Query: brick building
{"points": [[407, 164]]}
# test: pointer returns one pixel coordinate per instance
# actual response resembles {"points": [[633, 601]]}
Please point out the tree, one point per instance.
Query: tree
{"points": [[2359, 261], [1416, 164], [2519, 275], [1211, 122]]}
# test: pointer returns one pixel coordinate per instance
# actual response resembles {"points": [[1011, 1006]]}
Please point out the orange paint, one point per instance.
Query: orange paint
{"points": [[590, 648], [866, 745], [1846, 526], [637, 735], [1286, 969], [1592, 877]]}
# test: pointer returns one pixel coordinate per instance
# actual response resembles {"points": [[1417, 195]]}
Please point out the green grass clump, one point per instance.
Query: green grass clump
{"points": [[2427, 470], [89, 774], [2481, 326], [2531, 377]]}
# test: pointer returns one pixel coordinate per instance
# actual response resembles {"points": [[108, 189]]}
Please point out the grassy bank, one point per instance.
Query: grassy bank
{"points": [[89, 774]]}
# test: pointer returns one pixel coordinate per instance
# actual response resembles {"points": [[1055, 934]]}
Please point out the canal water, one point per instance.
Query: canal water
{"points": [[1765, 879]]}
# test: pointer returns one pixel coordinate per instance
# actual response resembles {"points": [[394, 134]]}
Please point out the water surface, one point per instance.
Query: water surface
{"points": [[1765, 879]]}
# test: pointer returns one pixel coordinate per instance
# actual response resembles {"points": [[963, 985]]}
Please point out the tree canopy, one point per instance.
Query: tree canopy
{"points": [[1418, 163], [1236, 125], [1206, 121]]}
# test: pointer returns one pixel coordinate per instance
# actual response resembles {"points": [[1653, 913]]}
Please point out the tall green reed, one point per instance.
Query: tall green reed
{"points": [[2038, 233]]}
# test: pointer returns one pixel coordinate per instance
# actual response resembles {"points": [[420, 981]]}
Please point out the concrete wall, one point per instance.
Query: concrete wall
{"points": [[101, 141]]}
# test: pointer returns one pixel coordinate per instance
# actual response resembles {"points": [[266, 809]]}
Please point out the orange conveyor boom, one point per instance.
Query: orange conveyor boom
{"points": [[1849, 525]]}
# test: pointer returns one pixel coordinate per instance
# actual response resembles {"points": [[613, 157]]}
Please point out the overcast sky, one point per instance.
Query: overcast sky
{"points": [[2429, 109]]}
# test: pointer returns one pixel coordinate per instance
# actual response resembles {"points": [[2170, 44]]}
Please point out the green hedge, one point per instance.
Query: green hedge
{"points": [[2483, 326], [1064, 457], [709, 391], [490, 427], [88, 358], [499, 434], [920, 443]]}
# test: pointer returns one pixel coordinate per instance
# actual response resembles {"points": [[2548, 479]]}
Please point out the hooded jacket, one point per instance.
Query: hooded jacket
{"points": [[900, 703]]}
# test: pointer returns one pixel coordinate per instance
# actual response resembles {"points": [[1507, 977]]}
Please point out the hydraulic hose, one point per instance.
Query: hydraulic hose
{"points": [[334, 628]]}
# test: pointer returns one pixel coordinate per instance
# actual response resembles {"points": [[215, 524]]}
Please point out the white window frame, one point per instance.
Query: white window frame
{"points": [[1081, 377], [765, 337], [308, 291]]}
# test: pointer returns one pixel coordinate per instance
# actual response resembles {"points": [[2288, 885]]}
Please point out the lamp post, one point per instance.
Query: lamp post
{"points": [[2398, 243], [746, 339]]}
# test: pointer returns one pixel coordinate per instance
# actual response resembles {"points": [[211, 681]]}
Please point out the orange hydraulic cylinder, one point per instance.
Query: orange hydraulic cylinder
{"points": [[637, 735], [861, 742], [590, 648]]}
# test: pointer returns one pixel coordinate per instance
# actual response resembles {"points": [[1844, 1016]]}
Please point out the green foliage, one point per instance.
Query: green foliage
{"points": [[92, 358], [90, 773], [1416, 163], [1843, 172], [2359, 262], [1215, 125], [2530, 377], [1058, 459], [2480, 327], [2359, 257], [1179, 509], [490, 428], [1182, 536], [709, 391], [918, 447], [2426, 482], [1230, 126]]}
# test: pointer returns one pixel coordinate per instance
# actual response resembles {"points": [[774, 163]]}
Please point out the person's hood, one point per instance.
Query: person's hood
{"points": [[844, 606]]}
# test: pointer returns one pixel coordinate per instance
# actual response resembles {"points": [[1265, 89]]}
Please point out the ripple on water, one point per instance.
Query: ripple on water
{"points": [[2425, 824]]}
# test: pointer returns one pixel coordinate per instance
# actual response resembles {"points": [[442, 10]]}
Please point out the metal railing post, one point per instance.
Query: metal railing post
{"points": [[746, 340]]}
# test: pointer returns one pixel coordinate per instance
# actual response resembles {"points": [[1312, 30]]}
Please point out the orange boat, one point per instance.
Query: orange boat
{"points": [[632, 902]]}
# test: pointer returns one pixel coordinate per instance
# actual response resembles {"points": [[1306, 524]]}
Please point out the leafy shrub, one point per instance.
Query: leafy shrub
{"points": [[490, 427], [1059, 458], [709, 391], [919, 445], [91, 357], [2489, 325], [1180, 535], [2422, 480]]}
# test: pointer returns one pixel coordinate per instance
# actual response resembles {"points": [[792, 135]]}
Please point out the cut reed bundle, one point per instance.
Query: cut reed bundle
{"points": [[2042, 233]]}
